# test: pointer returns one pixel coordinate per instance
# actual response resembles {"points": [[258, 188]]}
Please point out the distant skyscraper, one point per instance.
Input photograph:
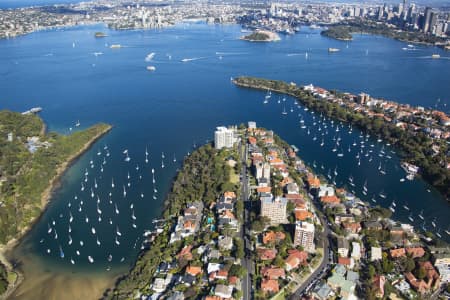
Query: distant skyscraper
{"points": [[426, 19], [304, 236], [223, 138], [433, 21]]}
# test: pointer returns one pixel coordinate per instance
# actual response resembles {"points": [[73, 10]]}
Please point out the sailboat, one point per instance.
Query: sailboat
{"points": [[133, 216], [405, 206], [410, 218], [373, 199], [49, 229], [56, 235], [70, 229], [433, 222], [112, 182], [82, 187], [98, 242], [116, 209], [70, 240], [127, 158], [421, 215], [438, 233], [284, 112], [71, 217], [382, 194], [365, 188], [124, 192], [117, 231], [117, 241], [174, 158], [91, 260], [61, 252]]}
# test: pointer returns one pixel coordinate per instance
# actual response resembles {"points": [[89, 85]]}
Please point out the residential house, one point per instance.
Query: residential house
{"points": [[223, 291], [270, 286]]}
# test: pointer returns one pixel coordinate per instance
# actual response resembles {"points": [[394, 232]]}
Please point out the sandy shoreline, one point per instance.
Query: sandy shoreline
{"points": [[45, 199]]}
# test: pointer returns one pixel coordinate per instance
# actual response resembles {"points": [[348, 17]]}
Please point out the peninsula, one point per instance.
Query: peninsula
{"points": [[31, 162], [422, 144], [247, 219], [261, 36], [343, 31]]}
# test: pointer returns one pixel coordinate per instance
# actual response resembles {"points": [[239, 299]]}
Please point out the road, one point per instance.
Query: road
{"points": [[323, 265], [246, 261]]}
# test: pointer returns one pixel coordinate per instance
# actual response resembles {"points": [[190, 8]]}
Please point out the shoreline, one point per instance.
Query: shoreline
{"points": [[46, 196]]}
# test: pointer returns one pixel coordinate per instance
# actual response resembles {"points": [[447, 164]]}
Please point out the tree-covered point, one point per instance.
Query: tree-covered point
{"points": [[342, 33], [413, 147], [346, 29], [257, 36], [24, 176], [205, 176]]}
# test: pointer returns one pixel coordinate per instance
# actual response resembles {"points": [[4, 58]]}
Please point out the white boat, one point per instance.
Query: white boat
{"points": [[98, 242], [433, 222], [410, 218], [87, 219], [134, 225], [117, 241], [82, 187], [72, 261], [112, 182], [56, 235], [77, 252], [91, 260], [405, 206], [382, 195], [71, 217], [149, 56], [133, 216], [70, 240], [284, 112], [81, 243], [117, 210], [124, 191], [421, 215], [92, 193], [117, 231], [93, 230], [110, 258], [77, 124], [49, 229]]}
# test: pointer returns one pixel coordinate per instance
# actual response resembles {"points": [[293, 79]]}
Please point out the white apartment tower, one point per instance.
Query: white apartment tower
{"points": [[304, 236], [223, 137]]}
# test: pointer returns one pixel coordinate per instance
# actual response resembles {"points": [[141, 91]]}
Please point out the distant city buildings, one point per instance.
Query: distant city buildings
{"points": [[223, 138]]}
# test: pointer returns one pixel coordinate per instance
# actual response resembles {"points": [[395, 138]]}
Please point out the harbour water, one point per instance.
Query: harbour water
{"points": [[75, 76]]}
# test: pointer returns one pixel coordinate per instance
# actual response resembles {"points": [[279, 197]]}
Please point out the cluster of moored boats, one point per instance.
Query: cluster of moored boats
{"points": [[98, 208], [363, 148]]}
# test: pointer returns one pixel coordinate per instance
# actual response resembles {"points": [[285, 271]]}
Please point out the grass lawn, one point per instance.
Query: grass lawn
{"points": [[234, 178]]}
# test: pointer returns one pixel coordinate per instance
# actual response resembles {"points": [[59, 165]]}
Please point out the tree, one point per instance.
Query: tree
{"points": [[409, 264], [238, 248], [421, 273], [371, 271]]}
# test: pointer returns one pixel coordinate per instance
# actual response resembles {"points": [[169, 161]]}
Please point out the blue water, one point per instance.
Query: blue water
{"points": [[4, 4], [180, 103]]}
